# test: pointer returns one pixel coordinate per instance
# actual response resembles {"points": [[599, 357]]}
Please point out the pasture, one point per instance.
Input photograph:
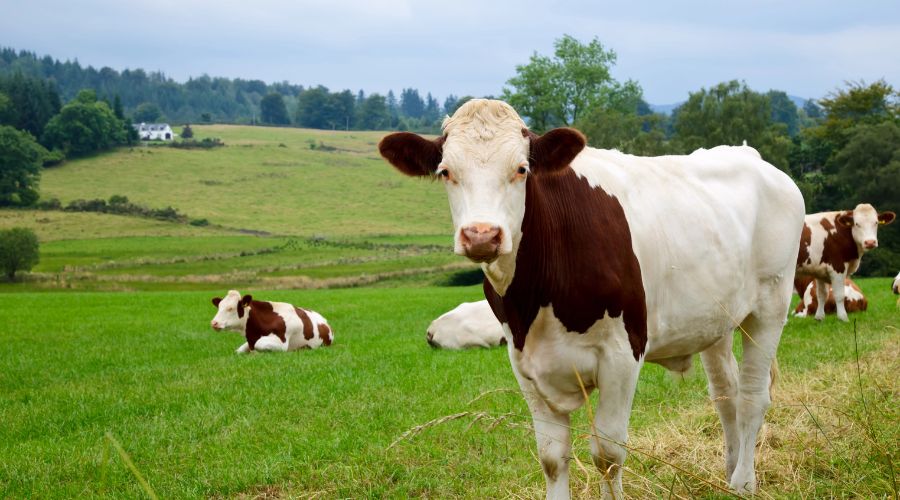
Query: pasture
{"points": [[317, 219], [198, 421]]}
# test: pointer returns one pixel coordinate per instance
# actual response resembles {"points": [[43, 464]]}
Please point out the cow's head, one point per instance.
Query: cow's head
{"points": [[232, 314], [484, 159], [864, 222]]}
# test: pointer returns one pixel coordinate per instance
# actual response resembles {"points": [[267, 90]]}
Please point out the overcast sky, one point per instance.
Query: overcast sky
{"points": [[672, 47]]}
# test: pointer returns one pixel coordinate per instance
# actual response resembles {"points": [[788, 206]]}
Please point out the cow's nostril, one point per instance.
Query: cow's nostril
{"points": [[430, 338]]}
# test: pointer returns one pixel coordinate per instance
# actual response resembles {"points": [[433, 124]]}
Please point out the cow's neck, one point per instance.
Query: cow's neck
{"points": [[575, 252]]}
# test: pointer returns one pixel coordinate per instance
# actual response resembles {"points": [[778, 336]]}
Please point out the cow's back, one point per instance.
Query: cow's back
{"points": [[706, 228]]}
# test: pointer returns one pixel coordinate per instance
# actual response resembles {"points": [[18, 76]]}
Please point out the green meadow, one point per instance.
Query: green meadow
{"points": [[113, 385]]}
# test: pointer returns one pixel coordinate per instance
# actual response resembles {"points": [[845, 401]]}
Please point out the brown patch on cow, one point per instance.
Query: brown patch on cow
{"points": [[827, 224], [850, 305], [839, 248], [800, 284], [576, 254], [307, 323], [262, 321], [805, 241], [325, 333], [411, 154]]}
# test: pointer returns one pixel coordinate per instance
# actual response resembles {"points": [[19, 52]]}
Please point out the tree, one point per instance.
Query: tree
{"points": [[730, 113], [147, 112], [372, 114], [627, 132], [20, 167], [857, 104], [117, 108], [187, 132], [812, 109], [18, 251], [557, 91], [84, 126], [784, 111], [411, 104], [273, 110]]}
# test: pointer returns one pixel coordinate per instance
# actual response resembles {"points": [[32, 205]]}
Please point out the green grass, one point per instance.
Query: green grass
{"points": [[265, 179], [199, 421]]}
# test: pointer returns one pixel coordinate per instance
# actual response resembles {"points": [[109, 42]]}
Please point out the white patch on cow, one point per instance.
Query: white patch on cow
{"points": [[470, 324], [895, 287]]}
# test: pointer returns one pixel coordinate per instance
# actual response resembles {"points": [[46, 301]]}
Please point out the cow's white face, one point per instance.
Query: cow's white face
{"points": [[485, 182], [864, 222], [232, 312], [484, 160]]}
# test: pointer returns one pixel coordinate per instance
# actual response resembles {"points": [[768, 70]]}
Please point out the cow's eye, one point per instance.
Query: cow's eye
{"points": [[522, 171], [443, 173]]}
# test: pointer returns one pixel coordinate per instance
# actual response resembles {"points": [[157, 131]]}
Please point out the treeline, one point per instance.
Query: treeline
{"points": [[152, 96], [841, 151]]}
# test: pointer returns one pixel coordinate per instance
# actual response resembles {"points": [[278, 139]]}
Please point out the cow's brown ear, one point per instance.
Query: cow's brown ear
{"points": [[845, 219], [216, 300], [554, 150], [886, 217], [412, 154], [245, 300]]}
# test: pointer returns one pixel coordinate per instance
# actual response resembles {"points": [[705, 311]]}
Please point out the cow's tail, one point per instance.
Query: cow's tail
{"points": [[773, 377]]}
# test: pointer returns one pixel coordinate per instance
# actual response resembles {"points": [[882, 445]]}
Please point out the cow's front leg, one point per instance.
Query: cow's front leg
{"points": [[837, 288], [821, 298], [551, 430], [617, 377], [243, 349]]}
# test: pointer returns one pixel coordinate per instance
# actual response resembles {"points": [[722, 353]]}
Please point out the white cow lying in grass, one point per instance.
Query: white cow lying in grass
{"points": [[470, 324], [270, 326]]}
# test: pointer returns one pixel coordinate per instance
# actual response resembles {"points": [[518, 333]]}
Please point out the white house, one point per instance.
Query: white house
{"points": [[154, 131]]}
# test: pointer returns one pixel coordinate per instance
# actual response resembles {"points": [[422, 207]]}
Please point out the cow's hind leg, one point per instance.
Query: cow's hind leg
{"points": [[551, 430], [837, 288], [616, 380], [722, 374], [760, 336], [821, 296]]}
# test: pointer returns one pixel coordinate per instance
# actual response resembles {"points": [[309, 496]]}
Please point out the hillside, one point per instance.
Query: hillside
{"points": [[285, 207]]}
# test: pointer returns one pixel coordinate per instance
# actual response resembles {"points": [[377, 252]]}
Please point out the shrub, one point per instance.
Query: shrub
{"points": [[199, 222], [18, 251]]}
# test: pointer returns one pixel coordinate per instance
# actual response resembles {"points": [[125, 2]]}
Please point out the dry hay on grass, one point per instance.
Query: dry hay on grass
{"points": [[820, 440]]}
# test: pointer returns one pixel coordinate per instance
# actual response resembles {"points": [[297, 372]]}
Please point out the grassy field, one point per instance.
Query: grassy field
{"points": [[317, 219], [287, 208], [199, 421]]}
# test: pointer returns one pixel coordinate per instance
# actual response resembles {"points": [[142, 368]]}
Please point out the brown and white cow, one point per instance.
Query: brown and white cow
{"points": [[470, 324], [832, 244], [270, 326], [854, 300], [596, 261]]}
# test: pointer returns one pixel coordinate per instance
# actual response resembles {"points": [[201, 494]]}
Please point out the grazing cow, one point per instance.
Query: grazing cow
{"points": [[854, 300], [470, 324], [831, 246], [270, 326], [596, 261]]}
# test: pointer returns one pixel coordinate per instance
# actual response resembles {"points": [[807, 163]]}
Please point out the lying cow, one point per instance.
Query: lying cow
{"points": [[596, 261], [270, 326], [854, 300], [831, 246], [896, 285], [470, 324]]}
